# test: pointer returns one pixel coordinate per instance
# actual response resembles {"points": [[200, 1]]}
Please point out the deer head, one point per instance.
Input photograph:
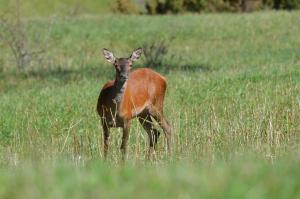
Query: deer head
{"points": [[122, 65]]}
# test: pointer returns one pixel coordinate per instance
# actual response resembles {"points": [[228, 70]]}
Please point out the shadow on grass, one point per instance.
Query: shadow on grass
{"points": [[61, 74], [94, 72], [69, 74], [168, 68]]}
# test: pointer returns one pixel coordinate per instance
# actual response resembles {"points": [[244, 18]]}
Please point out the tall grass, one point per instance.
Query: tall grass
{"points": [[232, 99]]}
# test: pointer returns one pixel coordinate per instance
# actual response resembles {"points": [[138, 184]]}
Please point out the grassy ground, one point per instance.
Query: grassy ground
{"points": [[34, 8], [233, 101]]}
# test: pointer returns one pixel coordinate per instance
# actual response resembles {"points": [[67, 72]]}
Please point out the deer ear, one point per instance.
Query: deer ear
{"points": [[109, 55], [136, 54]]}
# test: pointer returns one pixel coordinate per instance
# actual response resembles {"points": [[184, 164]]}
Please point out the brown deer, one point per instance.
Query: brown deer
{"points": [[138, 93]]}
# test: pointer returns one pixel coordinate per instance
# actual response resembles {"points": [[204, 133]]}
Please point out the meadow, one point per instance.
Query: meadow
{"points": [[233, 101]]}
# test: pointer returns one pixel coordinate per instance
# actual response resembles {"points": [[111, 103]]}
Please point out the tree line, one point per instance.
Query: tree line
{"points": [[198, 6]]}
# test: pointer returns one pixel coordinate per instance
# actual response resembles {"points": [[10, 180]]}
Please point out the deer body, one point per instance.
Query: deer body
{"points": [[139, 93]]}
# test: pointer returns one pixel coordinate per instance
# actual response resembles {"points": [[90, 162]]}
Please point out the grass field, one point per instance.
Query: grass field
{"points": [[233, 100], [36, 8]]}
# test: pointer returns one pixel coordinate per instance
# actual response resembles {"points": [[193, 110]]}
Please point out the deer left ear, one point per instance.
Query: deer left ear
{"points": [[108, 55], [136, 54]]}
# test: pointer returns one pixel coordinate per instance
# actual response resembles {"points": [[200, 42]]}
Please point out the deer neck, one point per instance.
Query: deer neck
{"points": [[119, 88]]}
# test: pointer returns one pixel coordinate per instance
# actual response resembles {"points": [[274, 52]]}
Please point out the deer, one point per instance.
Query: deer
{"points": [[133, 94]]}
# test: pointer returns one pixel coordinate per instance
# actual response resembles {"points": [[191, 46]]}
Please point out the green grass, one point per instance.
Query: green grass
{"points": [[233, 100], [97, 180], [35, 8]]}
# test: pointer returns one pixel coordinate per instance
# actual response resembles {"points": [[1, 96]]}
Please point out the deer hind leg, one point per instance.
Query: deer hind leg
{"points": [[126, 129], [164, 124], [152, 132]]}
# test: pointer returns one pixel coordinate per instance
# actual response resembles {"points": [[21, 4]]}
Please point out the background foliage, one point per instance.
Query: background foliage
{"points": [[75, 7], [180, 6]]}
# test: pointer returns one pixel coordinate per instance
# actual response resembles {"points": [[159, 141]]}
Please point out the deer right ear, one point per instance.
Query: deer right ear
{"points": [[136, 54], [109, 55]]}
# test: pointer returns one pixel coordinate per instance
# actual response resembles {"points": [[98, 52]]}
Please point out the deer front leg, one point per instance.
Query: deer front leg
{"points": [[126, 129], [105, 139]]}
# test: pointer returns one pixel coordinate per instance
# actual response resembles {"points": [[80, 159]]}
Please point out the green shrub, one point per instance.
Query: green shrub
{"points": [[156, 6], [151, 6], [178, 6], [124, 7], [175, 6], [195, 5], [285, 4], [291, 4], [218, 6], [268, 3]]}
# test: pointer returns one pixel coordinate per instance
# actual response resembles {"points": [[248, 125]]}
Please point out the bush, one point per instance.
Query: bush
{"points": [[175, 6], [195, 5], [248, 5], [151, 6], [156, 51], [14, 36], [178, 6], [124, 7], [291, 4]]}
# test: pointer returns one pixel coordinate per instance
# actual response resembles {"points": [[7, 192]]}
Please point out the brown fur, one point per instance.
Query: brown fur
{"points": [[143, 97]]}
